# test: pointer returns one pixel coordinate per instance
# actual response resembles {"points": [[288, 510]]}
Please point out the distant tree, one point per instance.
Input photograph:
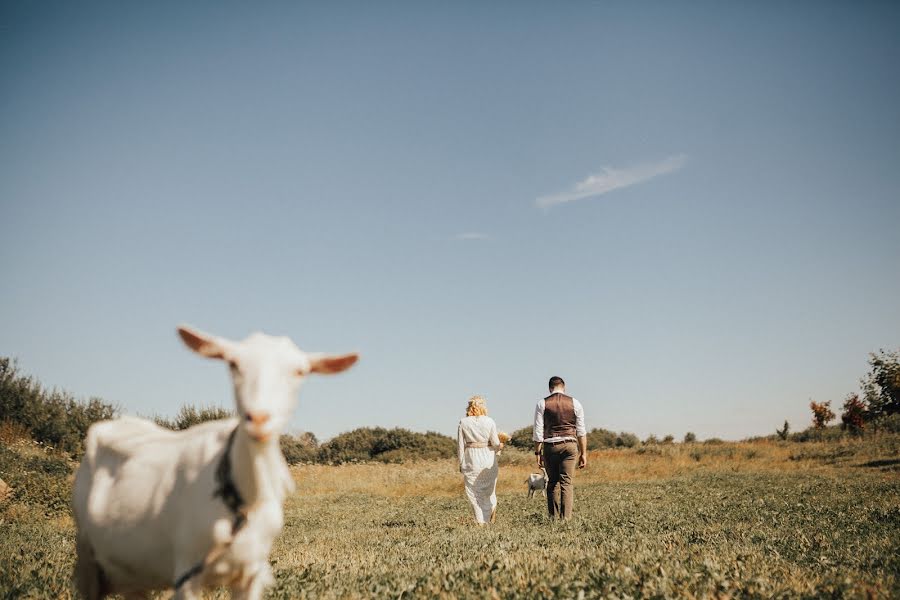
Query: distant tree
{"points": [[690, 437], [651, 439], [52, 417], [822, 414], [668, 439], [522, 438], [784, 431], [386, 445], [189, 415], [303, 447], [853, 416], [627, 440], [881, 386], [600, 438]]}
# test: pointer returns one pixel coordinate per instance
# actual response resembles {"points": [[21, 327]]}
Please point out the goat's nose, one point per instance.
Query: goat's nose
{"points": [[258, 418]]}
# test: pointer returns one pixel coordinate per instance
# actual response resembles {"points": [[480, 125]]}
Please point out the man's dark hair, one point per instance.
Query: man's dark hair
{"points": [[555, 382]]}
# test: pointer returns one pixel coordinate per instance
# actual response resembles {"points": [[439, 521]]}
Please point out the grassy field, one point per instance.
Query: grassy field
{"points": [[695, 520]]}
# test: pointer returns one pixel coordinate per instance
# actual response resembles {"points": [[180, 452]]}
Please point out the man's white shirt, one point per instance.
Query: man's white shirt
{"points": [[538, 436]]}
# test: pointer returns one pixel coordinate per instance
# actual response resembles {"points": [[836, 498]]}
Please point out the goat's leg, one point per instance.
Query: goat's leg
{"points": [[189, 590], [256, 587], [89, 579]]}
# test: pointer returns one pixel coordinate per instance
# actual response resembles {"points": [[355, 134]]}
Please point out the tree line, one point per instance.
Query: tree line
{"points": [[56, 419], [878, 407]]}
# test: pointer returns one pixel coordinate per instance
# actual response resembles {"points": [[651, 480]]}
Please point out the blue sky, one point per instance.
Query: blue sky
{"points": [[688, 211]]}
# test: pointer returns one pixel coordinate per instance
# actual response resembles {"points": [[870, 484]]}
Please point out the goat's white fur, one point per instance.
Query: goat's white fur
{"points": [[537, 481], [143, 495]]}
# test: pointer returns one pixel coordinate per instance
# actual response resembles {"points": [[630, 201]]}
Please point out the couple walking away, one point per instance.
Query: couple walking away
{"points": [[560, 443]]}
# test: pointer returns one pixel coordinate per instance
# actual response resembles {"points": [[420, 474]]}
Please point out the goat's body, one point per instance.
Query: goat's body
{"points": [[537, 481], [145, 511], [156, 509]]}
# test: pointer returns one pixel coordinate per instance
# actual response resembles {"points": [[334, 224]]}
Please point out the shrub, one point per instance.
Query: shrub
{"points": [[302, 448], [189, 415], [627, 440], [651, 440], [713, 441], [881, 386], [522, 438], [814, 434], [54, 418], [853, 416], [822, 413], [386, 445], [690, 437], [600, 438], [668, 439], [783, 432], [889, 423]]}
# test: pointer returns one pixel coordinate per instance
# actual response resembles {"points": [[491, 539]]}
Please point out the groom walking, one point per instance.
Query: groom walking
{"points": [[559, 440]]}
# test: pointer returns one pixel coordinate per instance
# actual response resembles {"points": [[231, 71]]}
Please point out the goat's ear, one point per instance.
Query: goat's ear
{"points": [[327, 365], [202, 343]]}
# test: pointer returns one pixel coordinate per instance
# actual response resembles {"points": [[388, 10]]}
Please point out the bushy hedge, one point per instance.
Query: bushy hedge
{"points": [[386, 445], [54, 418], [301, 448], [596, 439], [522, 438], [190, 415]]}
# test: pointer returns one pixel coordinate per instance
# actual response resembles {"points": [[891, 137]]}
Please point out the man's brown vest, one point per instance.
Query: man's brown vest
{"points": [[559, 416]]}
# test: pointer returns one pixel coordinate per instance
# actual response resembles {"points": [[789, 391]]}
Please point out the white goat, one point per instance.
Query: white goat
{"points": [[157, 509], [537, 481]]}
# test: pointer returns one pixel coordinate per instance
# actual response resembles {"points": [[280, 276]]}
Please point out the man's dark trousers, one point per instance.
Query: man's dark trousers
{"points": [[560, 459]]}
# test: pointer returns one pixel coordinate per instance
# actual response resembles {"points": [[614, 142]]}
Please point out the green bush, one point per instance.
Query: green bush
{"points": [[890, 423], [813, 434], [189, 415], [600, 438], [522, 438], [386, 445], [627, 440], [881, 386], [597, 439], [54, 418], [302, 448]]}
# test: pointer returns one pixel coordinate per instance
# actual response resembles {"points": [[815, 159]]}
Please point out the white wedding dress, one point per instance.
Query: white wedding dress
{"points": [[479, 464]]}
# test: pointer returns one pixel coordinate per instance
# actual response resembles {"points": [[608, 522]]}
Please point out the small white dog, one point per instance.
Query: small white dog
{"points": [[537, 481]]}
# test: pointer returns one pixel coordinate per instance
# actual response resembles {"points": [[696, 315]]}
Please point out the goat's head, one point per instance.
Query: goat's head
{"points": [[267, 372]]}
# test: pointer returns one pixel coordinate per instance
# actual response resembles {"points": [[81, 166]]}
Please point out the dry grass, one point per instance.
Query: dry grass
{"points": [[754, 520], [646, 463]]}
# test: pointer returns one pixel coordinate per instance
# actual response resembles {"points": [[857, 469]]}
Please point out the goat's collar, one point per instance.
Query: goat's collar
{"points": [[226, 488], [231, 497]]}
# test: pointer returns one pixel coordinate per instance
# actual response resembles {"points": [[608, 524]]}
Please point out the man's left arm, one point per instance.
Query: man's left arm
{"points": [[581, 433], [538, 433]]}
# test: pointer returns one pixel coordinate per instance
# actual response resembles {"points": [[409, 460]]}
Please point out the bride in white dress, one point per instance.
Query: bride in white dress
{"points": [[479, 443]]}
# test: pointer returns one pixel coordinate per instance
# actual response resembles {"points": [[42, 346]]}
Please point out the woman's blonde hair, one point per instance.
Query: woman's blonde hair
{"points": [[476, 407]]}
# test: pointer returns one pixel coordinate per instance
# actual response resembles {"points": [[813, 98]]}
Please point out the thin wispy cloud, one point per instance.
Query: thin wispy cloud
{"points": [[614, 178], [471, 235]]}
